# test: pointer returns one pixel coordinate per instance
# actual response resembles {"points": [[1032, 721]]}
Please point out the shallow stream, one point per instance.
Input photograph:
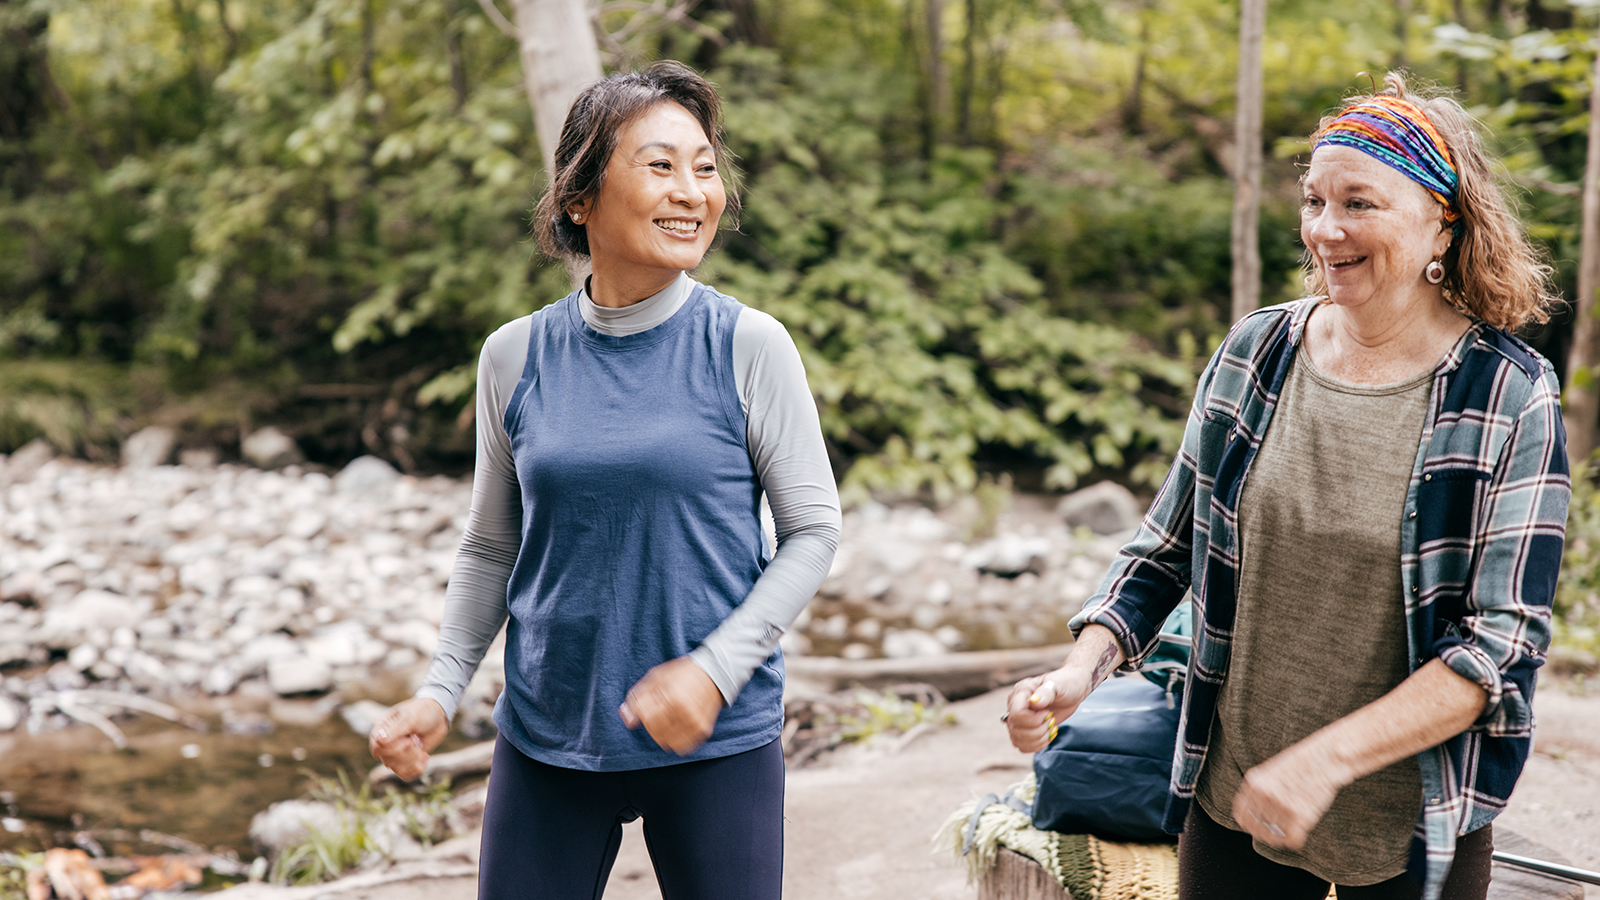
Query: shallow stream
{"points": [[70, 785]]}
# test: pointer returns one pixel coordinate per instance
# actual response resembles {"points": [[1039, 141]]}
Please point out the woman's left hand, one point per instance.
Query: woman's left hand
{"points": [[1285, 797], [676, 702]]}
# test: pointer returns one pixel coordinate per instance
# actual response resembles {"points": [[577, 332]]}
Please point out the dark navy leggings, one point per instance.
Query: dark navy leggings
{"points": [[1217, 863], [714, 827]]}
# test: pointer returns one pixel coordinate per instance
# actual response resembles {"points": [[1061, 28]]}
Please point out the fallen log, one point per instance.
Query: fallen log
{"points": [[473, 760], [956, 675]]}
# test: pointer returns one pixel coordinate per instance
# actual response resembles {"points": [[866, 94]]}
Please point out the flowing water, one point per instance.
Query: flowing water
{"points": [[201, 786]]}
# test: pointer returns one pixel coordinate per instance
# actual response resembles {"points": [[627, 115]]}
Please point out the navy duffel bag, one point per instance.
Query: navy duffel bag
{"points": [[1106, 773]]}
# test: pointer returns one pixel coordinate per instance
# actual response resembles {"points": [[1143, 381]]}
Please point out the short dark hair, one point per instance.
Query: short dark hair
{"points": [[589, 137]]}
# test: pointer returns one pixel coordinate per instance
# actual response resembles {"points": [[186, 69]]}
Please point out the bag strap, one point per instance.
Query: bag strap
{"points": [[1009, 798]]}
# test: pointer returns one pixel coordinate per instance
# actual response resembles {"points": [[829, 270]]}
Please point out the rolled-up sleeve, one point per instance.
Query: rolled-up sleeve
{"points": [[1504, 632]]}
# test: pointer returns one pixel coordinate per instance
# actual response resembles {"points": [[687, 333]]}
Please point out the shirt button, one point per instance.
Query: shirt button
{"points": [[1412, 514], [1433, 801], [1428, 477], [1413, 589]]}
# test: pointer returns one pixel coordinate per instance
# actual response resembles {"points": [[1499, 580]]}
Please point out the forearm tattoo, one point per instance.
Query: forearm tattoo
{"points": [[1104, 665]]}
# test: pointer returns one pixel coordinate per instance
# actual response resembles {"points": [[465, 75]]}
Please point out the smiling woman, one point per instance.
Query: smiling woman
{"points": [[626, 436], [1369, 506]]}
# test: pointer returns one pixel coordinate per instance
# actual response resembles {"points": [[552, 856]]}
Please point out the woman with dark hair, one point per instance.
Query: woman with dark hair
{"points": [[626, 435], [1369, 507]]}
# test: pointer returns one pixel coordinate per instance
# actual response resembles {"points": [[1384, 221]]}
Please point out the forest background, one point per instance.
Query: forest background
{"points": [[997, 229]]}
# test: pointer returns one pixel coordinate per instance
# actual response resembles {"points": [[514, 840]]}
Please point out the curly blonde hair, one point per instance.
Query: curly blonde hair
{"points": [[1492, 270]]}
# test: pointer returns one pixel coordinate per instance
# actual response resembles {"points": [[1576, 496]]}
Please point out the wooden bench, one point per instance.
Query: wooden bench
{"points": [[1016, 877]]}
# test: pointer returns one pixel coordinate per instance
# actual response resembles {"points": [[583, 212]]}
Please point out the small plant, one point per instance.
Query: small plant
{"points": [[888, 713], [14, 874], [993, 497], [323, 856]]}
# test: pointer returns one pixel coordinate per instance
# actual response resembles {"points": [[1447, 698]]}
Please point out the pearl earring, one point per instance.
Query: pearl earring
{"points": [[1434, 272], [576, 219]]}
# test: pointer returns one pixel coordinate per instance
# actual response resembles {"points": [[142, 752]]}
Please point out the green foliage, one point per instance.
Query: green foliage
{"points": [[1577, 604], [887, 714], [14, 869], [323, 856], [76, 406], [1006, 249], [924, 341]]}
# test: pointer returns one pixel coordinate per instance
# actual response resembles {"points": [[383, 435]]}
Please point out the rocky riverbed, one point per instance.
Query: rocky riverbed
{"points": [[164, 581]]}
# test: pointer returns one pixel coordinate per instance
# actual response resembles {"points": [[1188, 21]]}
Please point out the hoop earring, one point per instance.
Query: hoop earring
{"points": [[1433, 272]]}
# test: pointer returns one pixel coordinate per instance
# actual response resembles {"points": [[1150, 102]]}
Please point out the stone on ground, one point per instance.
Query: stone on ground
{"points": [[149, 447], [270, 448], [1104, 508]]}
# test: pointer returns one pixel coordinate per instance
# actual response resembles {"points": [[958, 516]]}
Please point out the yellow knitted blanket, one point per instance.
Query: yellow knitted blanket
{"points": [[1087, 868]]}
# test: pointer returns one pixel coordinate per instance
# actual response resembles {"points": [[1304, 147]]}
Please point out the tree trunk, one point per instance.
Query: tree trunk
{"points": [[1402, 32], [1582, 400], [559, 58], [969, 75], [1247, 166], [938, 83]]}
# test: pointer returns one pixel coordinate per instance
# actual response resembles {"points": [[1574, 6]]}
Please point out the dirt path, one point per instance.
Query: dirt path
{"points": [[860, 825]]}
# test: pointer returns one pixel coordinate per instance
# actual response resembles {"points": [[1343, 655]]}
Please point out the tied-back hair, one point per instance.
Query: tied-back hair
{"points": [[589, 136], [1492, 271]]}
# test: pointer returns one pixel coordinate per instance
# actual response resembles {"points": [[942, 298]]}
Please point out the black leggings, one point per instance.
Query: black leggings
{"points": [[714, 827], [1217, 863]]}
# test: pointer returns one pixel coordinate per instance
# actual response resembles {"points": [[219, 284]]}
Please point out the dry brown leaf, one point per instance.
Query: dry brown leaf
{"points": [[72, 876], [163, 873]]}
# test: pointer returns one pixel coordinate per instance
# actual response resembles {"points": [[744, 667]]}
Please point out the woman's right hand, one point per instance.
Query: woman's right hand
{"points": [[1038, 705], [405, 736]]}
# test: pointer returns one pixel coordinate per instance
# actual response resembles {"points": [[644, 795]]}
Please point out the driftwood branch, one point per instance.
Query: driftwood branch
{"points": [[956, 675], [473, 760]]}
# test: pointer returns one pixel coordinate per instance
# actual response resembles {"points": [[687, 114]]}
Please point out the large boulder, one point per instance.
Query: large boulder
{"points": [[291, 822], [65, 625], [1009, 555], [290, 675], [364, 474], [910, 642], [29, 458], [1104, 508], [270, 448], [363, 715], [149, 447]]}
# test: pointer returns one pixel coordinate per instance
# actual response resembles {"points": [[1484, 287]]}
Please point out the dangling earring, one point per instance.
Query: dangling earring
{"points": [[1434, 272]]}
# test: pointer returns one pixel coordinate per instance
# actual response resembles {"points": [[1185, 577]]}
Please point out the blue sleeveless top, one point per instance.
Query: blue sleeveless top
{"points": [[640, 532]]}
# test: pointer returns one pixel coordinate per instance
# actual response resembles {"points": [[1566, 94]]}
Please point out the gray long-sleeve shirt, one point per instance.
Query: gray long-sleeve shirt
{"points": [[786, 448]]}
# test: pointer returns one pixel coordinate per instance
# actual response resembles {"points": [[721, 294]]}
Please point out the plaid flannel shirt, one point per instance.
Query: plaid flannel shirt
{"points": [[1481, 538]]}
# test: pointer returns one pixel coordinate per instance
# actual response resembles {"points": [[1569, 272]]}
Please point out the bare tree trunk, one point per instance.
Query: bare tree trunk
{"points": [[1402, 32], [1582, 400], [559, 58], [969, 75], [1133, 104], [938, 86], [1247, 166]]}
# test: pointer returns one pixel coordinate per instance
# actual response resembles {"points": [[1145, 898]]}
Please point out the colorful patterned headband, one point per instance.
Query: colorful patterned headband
{"points": [[1398, 133]]}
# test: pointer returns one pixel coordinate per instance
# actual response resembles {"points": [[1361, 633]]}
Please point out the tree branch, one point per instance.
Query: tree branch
{"points": [[499, 19]]}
